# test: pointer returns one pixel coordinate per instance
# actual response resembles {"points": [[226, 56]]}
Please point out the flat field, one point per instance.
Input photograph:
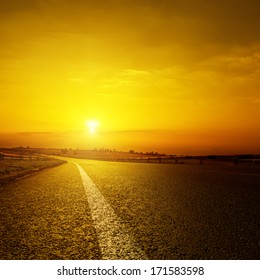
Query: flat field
{"points": [[15, 167]]}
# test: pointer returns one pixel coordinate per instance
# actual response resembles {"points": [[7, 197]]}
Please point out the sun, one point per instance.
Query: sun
{"points": [[92, 125]]}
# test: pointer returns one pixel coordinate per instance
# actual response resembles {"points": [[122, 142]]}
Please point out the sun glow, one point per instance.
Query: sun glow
{"points": [[92, 126]]}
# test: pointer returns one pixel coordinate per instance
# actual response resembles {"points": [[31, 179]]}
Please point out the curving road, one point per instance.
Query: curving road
{"points": [[110, 210]]}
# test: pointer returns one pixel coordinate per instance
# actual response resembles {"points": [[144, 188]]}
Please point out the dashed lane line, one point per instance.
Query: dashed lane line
{"points": [[114, 239]]}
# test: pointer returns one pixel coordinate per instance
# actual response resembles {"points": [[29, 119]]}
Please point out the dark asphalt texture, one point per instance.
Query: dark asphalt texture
{"points": [[172, 211], [46, 216]]}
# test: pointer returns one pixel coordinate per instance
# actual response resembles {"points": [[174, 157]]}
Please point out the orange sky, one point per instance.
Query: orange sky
{"points": [[178, 77]]}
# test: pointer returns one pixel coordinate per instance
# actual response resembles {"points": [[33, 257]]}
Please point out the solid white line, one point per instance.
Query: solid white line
{"points": [[114, 240]]}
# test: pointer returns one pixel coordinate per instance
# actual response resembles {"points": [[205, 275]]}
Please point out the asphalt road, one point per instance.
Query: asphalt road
{"points": [[113, 210]]}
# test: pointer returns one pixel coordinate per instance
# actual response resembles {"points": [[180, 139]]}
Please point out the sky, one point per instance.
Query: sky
{"points": [[172, 76]]}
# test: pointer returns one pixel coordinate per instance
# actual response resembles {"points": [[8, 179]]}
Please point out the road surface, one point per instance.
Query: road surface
{"points": [[110, 210]]}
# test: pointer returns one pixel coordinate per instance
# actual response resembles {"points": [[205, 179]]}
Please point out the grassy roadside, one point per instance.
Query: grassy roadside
{"points": [[14, 168]]}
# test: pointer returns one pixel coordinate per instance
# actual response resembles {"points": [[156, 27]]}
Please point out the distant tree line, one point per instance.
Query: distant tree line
{"points": [[146, 153]]}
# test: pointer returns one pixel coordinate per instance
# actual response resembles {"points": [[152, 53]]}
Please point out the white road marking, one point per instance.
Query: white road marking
{"points": [[114, 240]]}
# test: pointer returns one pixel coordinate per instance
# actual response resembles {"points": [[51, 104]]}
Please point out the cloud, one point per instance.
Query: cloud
{"points": [[134, 72], [155, 33], [16, 6], [238, 60], [144, 63]]}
